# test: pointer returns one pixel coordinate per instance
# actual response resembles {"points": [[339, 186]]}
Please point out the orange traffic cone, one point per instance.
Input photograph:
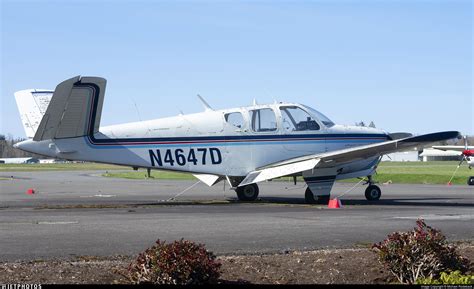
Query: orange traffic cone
{"points": [[334, 204], [30, 191]]}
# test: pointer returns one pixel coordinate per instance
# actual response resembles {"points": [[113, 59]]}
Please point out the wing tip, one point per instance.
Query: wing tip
{"points": [[434, 137]]}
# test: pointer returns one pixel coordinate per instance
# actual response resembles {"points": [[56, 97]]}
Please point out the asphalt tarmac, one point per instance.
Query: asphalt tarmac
{"points": [[78, 213]]}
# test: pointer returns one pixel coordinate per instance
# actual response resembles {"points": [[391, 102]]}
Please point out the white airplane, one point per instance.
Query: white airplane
{"points": [[466, 152], [243, 146], [32, 104]]}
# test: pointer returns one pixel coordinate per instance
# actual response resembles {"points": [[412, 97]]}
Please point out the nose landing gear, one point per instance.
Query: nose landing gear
{"points": [[373, 192], [470, 181]]}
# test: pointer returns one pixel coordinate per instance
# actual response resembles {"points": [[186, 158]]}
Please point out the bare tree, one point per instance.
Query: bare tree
{"points": [[8, 151]]}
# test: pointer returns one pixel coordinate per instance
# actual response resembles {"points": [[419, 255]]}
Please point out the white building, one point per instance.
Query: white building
{"points": [[29, 160], [51, 161], [430, 154], [409, 156]]}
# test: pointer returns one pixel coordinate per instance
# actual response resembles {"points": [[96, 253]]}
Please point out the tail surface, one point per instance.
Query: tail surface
{"points": [[32, 105], [74, 110]]}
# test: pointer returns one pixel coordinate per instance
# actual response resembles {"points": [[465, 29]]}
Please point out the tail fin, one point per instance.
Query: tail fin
{"points": [[32, 104], [74, 110]]}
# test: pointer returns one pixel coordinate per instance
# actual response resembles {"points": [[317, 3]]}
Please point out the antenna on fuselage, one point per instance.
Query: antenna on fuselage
{"points": [[206, 105], [275, 101], [138, 113], [136, 108]]}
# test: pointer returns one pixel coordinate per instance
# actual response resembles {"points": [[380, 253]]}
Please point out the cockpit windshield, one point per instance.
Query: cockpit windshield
{"points": [[324, 119]]}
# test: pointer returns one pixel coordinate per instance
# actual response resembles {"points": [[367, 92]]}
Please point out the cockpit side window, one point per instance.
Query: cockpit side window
{"points": [[296, 119], [263, 120], [235, 118]]}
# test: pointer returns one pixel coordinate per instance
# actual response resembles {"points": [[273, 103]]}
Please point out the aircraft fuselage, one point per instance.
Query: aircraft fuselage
{"points": [[224, 142]]}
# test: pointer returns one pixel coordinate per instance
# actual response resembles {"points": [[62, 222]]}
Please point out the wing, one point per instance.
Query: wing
{"points": [[453, 148], [333, 158]]}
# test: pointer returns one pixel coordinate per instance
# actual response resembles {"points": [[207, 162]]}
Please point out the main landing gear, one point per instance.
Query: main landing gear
{"points": [[247, 193], [373, 192]]}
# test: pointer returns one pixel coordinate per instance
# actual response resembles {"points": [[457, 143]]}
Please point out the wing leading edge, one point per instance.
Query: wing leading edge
{"points": [[333, 158], [453, 148]]}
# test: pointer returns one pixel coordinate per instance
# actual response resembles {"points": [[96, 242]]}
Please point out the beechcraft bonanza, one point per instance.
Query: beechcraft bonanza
{"points": [[243, 146]]}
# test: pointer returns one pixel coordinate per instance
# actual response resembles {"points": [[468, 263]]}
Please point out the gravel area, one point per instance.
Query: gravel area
{"points": [[334, 266]]}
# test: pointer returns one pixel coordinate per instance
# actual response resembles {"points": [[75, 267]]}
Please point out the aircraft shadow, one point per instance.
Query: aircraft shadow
{"points": [[408, 202]]}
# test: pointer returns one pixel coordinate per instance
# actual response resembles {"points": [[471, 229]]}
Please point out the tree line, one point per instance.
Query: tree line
{"points": [[8, 151]]}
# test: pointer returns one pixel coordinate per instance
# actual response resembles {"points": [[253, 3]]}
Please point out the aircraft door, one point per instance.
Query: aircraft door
{"points": [[237, 153], [300, 132]]}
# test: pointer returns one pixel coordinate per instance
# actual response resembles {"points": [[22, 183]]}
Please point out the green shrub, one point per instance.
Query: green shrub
{"points": [[420, 253], [181, 262], [453, 278]]}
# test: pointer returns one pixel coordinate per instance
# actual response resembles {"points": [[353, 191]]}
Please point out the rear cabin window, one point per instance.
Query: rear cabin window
{"points": [[235, 118], [263, 120], [296, 119]]}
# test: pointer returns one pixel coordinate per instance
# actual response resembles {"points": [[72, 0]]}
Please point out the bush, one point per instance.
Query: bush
{"points": [[420, 253], [181, 262], [453, 278]]}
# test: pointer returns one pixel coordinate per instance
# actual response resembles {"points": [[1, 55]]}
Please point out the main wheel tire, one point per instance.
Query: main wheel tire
{"points": [[470, 181], [310, 199], [247, 193], [373, 193]]}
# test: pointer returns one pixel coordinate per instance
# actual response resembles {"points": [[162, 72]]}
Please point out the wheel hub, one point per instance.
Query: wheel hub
{"points": [[249, 191], [374, 193]]}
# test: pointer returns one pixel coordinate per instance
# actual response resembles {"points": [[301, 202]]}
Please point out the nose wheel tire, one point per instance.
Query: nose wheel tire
{"points": [[470, 181], [311, 199], [247, 193], [373, 193]]}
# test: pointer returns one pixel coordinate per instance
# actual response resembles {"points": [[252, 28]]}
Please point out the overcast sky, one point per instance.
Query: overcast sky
{"points": [[406, 65]]}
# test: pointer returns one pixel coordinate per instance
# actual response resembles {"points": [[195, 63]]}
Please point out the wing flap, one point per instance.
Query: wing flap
{"points": [[279, 171]]}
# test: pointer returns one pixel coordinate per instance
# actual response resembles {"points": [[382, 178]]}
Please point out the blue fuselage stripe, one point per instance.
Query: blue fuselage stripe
{"points": [[226, 143]]}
